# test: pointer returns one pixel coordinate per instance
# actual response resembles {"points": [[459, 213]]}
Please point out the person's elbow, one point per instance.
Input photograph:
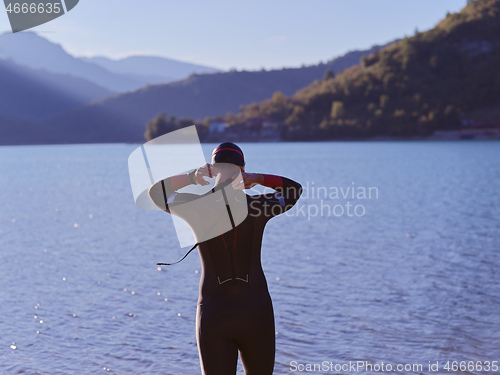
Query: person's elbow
{"points": [[296, 191]]}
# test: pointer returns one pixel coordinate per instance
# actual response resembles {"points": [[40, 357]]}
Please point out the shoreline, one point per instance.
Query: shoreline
{"points": [[492, 134]]}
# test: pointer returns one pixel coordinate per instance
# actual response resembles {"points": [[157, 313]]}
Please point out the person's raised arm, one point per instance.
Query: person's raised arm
{"points": [[193, 177], [287, 189], [164, 191]]}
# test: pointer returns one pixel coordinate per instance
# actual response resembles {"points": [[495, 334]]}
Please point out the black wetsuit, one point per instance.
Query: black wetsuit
{"points": [[235, 311]]}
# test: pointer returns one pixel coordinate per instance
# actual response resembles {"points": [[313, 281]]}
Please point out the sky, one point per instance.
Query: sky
{"points": [[233, 34]]}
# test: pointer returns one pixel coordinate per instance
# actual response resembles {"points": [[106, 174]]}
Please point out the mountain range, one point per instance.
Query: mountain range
{"points": [[159, 69], [122, 118], [36, 94], [75, 99], [33, 51]]}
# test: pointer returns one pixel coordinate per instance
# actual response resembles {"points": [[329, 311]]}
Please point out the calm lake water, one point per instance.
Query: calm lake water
{"points": [[403, 272]]}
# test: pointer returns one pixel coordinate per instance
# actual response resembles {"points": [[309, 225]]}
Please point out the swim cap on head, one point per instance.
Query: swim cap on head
{"points": [[228, 152]]}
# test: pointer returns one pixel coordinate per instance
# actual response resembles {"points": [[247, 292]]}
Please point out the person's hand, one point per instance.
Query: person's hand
{"points": [[247, 180], [201, 172]]}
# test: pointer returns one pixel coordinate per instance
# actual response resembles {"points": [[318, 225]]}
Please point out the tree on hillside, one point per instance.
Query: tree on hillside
{"points": [[159, 126], [337, 109], [278, 98], [184, 123], [329, 74]]}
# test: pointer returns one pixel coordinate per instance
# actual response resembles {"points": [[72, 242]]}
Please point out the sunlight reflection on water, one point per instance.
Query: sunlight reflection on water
{"points": [[411, 281]]}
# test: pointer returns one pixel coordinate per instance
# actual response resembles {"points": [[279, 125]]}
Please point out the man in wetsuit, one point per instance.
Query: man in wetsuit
{"points": [[235, 312]]}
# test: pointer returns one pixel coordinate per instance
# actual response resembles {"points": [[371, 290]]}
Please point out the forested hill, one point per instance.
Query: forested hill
{"points": [[432, 80], [122, 118]]}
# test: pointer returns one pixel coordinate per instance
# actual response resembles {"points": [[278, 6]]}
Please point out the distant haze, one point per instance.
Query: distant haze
{"points": [[151, 68], [31, 50]]}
